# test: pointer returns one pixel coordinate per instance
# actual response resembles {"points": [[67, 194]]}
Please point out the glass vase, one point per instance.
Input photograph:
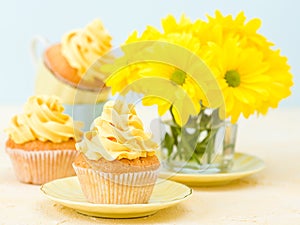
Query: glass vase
{"points": [[205, 144]]}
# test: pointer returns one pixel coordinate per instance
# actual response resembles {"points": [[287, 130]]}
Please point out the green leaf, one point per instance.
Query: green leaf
{"points": [[168, 143], [200, 148]]}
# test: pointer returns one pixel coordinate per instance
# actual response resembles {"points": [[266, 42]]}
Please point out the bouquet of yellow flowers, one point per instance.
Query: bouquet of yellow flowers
{"points": [[251, 75]]}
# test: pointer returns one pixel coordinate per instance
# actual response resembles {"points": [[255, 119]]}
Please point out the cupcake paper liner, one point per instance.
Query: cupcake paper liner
{"points": [[39, 167], [120, 188]]}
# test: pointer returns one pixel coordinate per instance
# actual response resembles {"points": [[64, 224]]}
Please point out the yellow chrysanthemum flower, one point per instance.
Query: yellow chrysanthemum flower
{"points": [[178, 77], [172, 35], [249, 80], [281, 80], [221, 27], [122, 78], [184, 25], [251, 75]]}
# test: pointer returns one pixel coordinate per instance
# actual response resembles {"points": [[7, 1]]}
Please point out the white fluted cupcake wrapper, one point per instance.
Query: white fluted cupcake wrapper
{"points": [[39, 167], [109, 188]]}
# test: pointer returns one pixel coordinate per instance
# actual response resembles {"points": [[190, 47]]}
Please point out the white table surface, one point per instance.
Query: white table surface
{"points": [[270, 197]]}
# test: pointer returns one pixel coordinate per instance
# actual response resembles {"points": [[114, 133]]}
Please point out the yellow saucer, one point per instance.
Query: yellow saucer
{"points": [[244, 165], [67, 192]]}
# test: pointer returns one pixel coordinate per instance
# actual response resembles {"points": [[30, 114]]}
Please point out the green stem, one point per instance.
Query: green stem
{"points": [[186, 139]]}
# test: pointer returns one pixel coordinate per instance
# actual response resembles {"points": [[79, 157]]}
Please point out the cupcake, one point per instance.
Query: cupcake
{"points": [[118, 162], [41, 141], [70, 62], [68, 70]]}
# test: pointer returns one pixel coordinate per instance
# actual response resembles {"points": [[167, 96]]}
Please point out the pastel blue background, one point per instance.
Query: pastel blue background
{"points": [[21, 20]]}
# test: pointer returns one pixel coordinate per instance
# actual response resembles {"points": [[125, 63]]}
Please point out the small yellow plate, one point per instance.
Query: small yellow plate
{"points": [[67, 192], [244, 165]]}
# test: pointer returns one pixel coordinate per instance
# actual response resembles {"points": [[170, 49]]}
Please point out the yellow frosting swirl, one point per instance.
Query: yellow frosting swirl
{"points": [[83, 47], [118, 133], [43, 120]]}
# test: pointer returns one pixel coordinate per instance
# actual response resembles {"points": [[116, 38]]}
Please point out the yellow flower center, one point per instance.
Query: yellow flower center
{"points": [[178, 76], [233, 78]]}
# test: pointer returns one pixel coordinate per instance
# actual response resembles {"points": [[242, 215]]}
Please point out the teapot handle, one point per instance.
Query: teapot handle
{"points": [[35, 42]]}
